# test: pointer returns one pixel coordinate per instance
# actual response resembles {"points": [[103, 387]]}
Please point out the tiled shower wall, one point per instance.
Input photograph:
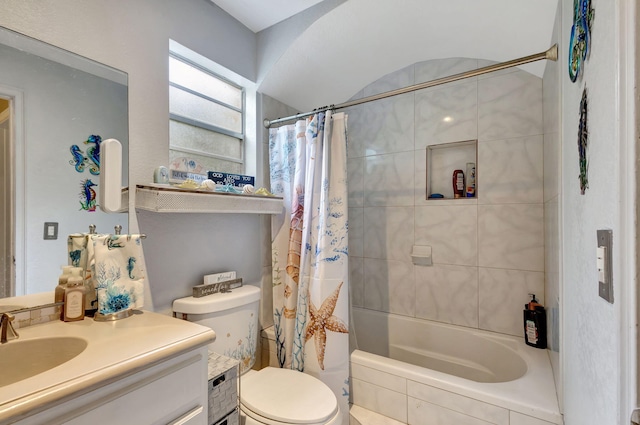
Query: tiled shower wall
{"points": [[488, 253]]}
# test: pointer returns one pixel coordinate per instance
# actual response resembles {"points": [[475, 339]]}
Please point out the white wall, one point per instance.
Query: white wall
{"points": [[594, 335]]}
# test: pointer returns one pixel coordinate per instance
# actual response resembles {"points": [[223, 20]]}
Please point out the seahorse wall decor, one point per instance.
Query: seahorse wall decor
{"points": [[88, 199], [90, 160]]}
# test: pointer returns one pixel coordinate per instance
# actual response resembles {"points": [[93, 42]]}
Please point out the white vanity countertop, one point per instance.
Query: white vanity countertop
{"points": [[115, 350]]}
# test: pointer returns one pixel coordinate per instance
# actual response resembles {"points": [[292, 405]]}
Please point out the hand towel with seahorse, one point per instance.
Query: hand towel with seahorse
{"points": [[119, 273]]}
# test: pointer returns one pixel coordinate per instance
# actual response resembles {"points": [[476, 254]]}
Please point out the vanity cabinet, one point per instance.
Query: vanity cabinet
{"points": [[173, 391], [149, 368]]}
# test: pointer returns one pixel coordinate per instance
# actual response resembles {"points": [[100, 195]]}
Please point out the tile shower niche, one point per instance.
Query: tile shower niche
{"points": [[442, 161]]}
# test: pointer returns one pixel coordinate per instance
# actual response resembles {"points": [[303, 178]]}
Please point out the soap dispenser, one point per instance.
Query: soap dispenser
{"points": [[535, 324], [74, 296]]}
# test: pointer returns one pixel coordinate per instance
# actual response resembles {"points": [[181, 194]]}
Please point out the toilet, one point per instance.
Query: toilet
{"points": [[271, 395]]}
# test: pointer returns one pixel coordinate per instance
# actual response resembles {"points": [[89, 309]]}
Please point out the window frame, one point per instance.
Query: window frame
{"points": [[206, 126]]}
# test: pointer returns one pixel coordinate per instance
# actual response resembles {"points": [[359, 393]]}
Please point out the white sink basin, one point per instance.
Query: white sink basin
{"points": [[26, 358]]}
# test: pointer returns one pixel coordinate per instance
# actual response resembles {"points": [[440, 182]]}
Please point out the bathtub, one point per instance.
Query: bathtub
{"points": [[422, 372]]}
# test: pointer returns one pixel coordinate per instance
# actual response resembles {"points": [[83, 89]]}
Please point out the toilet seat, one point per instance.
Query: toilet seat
{"points": [[252, 418], [284, 396]]}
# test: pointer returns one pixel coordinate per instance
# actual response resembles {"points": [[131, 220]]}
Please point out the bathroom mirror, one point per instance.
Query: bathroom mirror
{"points": [[55, 106]]}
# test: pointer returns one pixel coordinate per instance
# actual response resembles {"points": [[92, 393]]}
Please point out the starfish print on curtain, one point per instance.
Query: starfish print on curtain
{"points": [[322, 320], [310, 249], [287, 159]]}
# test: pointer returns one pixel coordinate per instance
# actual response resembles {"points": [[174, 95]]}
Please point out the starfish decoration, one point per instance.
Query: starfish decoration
{"points": [[322, 320]]}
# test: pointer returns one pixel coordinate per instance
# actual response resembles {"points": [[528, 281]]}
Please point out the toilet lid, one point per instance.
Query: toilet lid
{"points": [[287, 396]]}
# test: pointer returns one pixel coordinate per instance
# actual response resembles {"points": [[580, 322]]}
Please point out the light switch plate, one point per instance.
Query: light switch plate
{"points": [[50, 231], [604, 262]]}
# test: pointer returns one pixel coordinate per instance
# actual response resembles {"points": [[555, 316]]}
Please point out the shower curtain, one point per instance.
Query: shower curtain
{"points": [[308, 168]]}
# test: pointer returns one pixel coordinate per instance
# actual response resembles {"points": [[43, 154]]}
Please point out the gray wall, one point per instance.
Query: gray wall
{"points": [[134, 37], [273, 41]]}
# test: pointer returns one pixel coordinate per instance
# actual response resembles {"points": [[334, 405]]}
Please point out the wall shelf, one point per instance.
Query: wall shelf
{"points": [[168, 199]]}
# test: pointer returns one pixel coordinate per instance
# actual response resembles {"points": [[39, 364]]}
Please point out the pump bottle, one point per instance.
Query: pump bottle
{"points": [[58, 296], [74, 295], [535, 324]]}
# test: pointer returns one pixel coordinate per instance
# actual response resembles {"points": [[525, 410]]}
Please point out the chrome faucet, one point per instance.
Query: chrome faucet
{"points": [[7, 331]]}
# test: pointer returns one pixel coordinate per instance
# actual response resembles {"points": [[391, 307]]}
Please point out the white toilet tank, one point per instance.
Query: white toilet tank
{"points": [[233, 316]]}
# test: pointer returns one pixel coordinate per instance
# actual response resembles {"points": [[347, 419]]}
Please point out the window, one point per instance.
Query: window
{"points": [[207, 115]]}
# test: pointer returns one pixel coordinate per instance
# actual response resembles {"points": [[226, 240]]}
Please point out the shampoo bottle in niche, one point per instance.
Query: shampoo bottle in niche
{"points": [[458, 184], [535, 324], [74, 295], [470, 182]]}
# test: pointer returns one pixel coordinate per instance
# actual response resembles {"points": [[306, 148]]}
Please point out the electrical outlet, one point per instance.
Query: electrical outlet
{"points": [[604, 263]]}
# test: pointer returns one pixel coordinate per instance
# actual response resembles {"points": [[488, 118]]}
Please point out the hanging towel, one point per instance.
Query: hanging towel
{"points": [[119, 272], [77, 249]]}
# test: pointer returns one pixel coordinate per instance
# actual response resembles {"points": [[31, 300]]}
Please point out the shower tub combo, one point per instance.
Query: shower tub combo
{"points": [[427, 373]]}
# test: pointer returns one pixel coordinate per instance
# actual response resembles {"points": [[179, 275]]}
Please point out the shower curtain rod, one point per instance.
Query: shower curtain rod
{"points": [[551, 54]]}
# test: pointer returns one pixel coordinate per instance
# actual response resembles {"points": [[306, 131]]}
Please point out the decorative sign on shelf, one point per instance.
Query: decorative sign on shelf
{"points": [[237, 180], [183, 169], [181, 176]]}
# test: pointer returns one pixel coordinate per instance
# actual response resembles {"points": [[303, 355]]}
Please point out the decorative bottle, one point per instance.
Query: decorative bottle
{"points": [[58, 295], [74, 296], [535, 324], [458, 184], [470, 181]]}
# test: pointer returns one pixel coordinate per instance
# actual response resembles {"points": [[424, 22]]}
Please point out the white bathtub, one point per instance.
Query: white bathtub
{"points": [[422, 372]]}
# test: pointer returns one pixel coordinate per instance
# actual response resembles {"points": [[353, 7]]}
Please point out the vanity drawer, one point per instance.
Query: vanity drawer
{"points": [[171, 392]]}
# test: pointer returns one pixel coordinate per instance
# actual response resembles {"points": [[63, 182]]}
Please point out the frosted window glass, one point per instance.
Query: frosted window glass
{"points": [[200, 139], [209, 164], [190, 106], [187, 76]]}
